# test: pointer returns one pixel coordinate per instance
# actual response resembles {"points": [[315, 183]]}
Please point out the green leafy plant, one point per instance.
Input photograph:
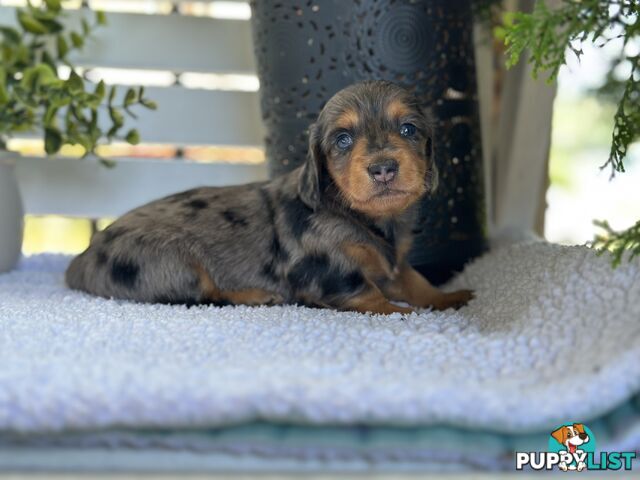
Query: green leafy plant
{"points": [[619, 242], [548, 34], [35, 97]]}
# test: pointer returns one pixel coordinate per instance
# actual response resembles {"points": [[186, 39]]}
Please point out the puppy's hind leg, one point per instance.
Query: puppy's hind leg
{"points": [[133, 273], [210, 293]]}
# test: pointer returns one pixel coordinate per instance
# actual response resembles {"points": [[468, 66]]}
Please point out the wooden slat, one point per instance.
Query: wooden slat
{"points": [[483, 49], [84, 188], [194, 117], [522, 153], [165, 42], [201, 117]]}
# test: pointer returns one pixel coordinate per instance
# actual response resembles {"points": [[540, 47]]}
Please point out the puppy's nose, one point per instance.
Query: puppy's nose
{"points": [[583, 436], [383, 172]]}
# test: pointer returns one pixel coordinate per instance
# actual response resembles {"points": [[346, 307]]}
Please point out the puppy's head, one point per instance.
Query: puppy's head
{"points": [[375, 144]]}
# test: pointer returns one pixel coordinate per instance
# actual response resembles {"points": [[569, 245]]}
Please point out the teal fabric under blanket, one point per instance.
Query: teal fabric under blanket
{"points": [[278, 447]]}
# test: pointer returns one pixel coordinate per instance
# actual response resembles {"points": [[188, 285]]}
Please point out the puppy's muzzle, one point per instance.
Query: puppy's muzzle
{"points": [[384, 171]]}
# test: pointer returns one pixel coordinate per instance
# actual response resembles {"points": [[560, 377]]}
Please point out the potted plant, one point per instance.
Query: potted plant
{"points": [[36, 95]]}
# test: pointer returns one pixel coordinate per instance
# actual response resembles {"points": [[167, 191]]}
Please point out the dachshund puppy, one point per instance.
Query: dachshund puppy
{"points": [[333, 233]]}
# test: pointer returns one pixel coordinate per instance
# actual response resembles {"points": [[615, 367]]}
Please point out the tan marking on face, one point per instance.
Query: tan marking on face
{"points": [[412, 162], [397, 109], [347, 120], [410, 180], [349, 179]]}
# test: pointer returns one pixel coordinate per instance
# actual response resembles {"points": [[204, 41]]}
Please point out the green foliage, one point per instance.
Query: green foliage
{"points": [[547, 34], [618, 242], [627, 118], [35, 97]]}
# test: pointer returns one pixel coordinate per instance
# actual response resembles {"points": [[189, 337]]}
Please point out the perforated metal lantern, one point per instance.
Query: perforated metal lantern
{"points": [[308, 50]]}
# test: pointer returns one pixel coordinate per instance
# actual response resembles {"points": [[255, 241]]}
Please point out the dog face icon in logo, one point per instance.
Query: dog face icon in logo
{"points": [[573, 438]]}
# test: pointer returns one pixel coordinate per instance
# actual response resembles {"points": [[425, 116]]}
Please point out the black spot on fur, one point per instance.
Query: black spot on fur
{"points": [[197, 204], [101, 258], [336, 282], [391, 237], [318, 269], [234, 218], [269, 271], [278, 255], [124, 273], [266, 198], [307, 270], [297, 215], [276, 250]]}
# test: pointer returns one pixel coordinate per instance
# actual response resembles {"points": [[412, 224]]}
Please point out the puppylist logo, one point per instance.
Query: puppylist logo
{"points": [[572, 447]]}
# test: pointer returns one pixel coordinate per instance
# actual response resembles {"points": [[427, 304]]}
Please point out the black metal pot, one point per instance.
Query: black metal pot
{"points": [[307, 50]]}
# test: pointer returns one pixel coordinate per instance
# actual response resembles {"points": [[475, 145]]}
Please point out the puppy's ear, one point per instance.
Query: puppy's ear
{"points": [[309, 181], [560, 435], [579, 427]]}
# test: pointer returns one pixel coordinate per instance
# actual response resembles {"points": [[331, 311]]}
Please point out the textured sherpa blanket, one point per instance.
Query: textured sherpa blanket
{"points": [[552, 336]]}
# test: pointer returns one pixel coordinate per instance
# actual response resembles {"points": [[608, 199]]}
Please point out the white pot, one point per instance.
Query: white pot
{"points": [[11, 214]]}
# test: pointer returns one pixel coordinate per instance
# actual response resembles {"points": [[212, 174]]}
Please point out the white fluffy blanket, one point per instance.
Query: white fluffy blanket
{"points": [[552, 336]]}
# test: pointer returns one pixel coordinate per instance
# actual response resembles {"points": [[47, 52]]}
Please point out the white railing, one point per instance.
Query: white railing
{"points": [[179, 45]]}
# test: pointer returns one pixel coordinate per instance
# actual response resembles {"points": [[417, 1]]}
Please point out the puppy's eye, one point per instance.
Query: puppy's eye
{"points": [[344, 141], [407, 129]]}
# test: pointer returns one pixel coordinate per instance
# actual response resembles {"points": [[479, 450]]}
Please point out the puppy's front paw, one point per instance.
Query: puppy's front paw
{"points": [[453, 300]]}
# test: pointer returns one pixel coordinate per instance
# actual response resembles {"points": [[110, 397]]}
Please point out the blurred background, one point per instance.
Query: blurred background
{"points": [[581, 137], [579, 191]]}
